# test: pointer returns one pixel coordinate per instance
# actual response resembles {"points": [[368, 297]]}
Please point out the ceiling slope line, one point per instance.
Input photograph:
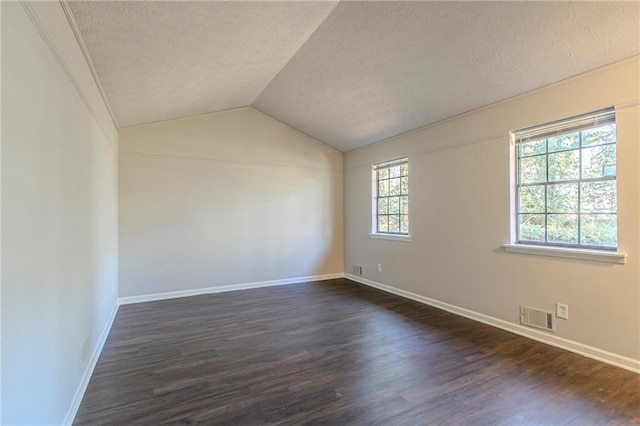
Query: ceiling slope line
{"points": [[300, 132], [185, 117], [264, 114], [87, 58], [293, 56]]}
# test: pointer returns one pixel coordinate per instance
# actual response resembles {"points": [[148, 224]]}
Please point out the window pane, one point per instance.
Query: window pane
{"points": [[563, 142], [562, 228], [599, 161], [598, 197], [599, 135], [564, 166], [394, 186], [533, 169], [404, 205], [383, 206], [531, 227], [394, 205], [532, 148], [383, 174], [562, 198], [394, 171], [382, 224], [404, 185], [394, 223], [404, 170], [404, 224], [599, 230], [531, 199], [609, 170], [383, 188]]}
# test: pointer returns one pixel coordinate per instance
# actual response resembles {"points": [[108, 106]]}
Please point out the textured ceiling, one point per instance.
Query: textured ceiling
{"points": [[374, 70], [162, 60], [347, 75]]}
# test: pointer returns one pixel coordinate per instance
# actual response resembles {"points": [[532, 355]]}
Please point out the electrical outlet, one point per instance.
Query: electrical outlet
{"points": [[379, 267], [562, 311]]}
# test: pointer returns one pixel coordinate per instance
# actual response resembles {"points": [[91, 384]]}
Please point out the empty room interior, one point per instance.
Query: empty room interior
{"points": [[320, 212]]}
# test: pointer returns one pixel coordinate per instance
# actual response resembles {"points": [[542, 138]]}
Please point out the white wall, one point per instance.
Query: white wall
{"points": [[226, 198], [459, 214], [59, 215]]}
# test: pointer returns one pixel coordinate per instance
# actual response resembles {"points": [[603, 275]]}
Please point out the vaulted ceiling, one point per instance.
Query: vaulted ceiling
{"points": [[349, 73]]}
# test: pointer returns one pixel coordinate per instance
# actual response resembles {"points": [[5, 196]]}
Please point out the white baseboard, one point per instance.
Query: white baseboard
{"points": [[233, 287], [579, 348], [569, 345], [86, 376]]}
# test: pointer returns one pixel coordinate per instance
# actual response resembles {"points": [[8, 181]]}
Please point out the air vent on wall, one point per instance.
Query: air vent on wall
{"points": [[357, 270], [537, 318]]}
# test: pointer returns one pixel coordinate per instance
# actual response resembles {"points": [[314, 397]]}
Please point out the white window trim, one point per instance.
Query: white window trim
{"points": [[570, 253], [393, 237], [374, 209], [513, 246]]}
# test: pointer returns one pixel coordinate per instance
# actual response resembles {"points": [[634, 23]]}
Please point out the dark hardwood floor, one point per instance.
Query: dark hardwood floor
{"points": [[336, 352]]}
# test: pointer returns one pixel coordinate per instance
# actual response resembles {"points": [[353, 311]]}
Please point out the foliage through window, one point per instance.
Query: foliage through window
{"points": [[391, 180], [566, 182]]}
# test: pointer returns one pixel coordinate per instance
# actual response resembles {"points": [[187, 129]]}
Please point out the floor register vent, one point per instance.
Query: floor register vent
{"points": [[537, 318]]}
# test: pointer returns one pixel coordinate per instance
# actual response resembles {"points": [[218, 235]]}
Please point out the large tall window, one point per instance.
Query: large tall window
{"points": [[566, 182], [391, 208]]}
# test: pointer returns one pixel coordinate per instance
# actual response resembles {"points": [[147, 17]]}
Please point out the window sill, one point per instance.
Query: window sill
{"points": [[581, 254], [392, 237]]}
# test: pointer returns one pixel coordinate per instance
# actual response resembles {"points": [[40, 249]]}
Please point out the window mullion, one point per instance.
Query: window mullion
{"points": [[580, 190], [518, 183], [546, 191]]}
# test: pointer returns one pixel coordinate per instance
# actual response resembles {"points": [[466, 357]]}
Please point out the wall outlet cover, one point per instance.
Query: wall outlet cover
{"points": [[562, 310]]}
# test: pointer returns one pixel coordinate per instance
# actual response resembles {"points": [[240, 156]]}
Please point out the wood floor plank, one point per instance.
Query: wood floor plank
{"points": [[337, 352]]}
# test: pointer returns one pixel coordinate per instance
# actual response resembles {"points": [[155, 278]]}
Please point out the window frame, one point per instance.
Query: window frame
{"points": [[541, 132], [375, 179]]}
